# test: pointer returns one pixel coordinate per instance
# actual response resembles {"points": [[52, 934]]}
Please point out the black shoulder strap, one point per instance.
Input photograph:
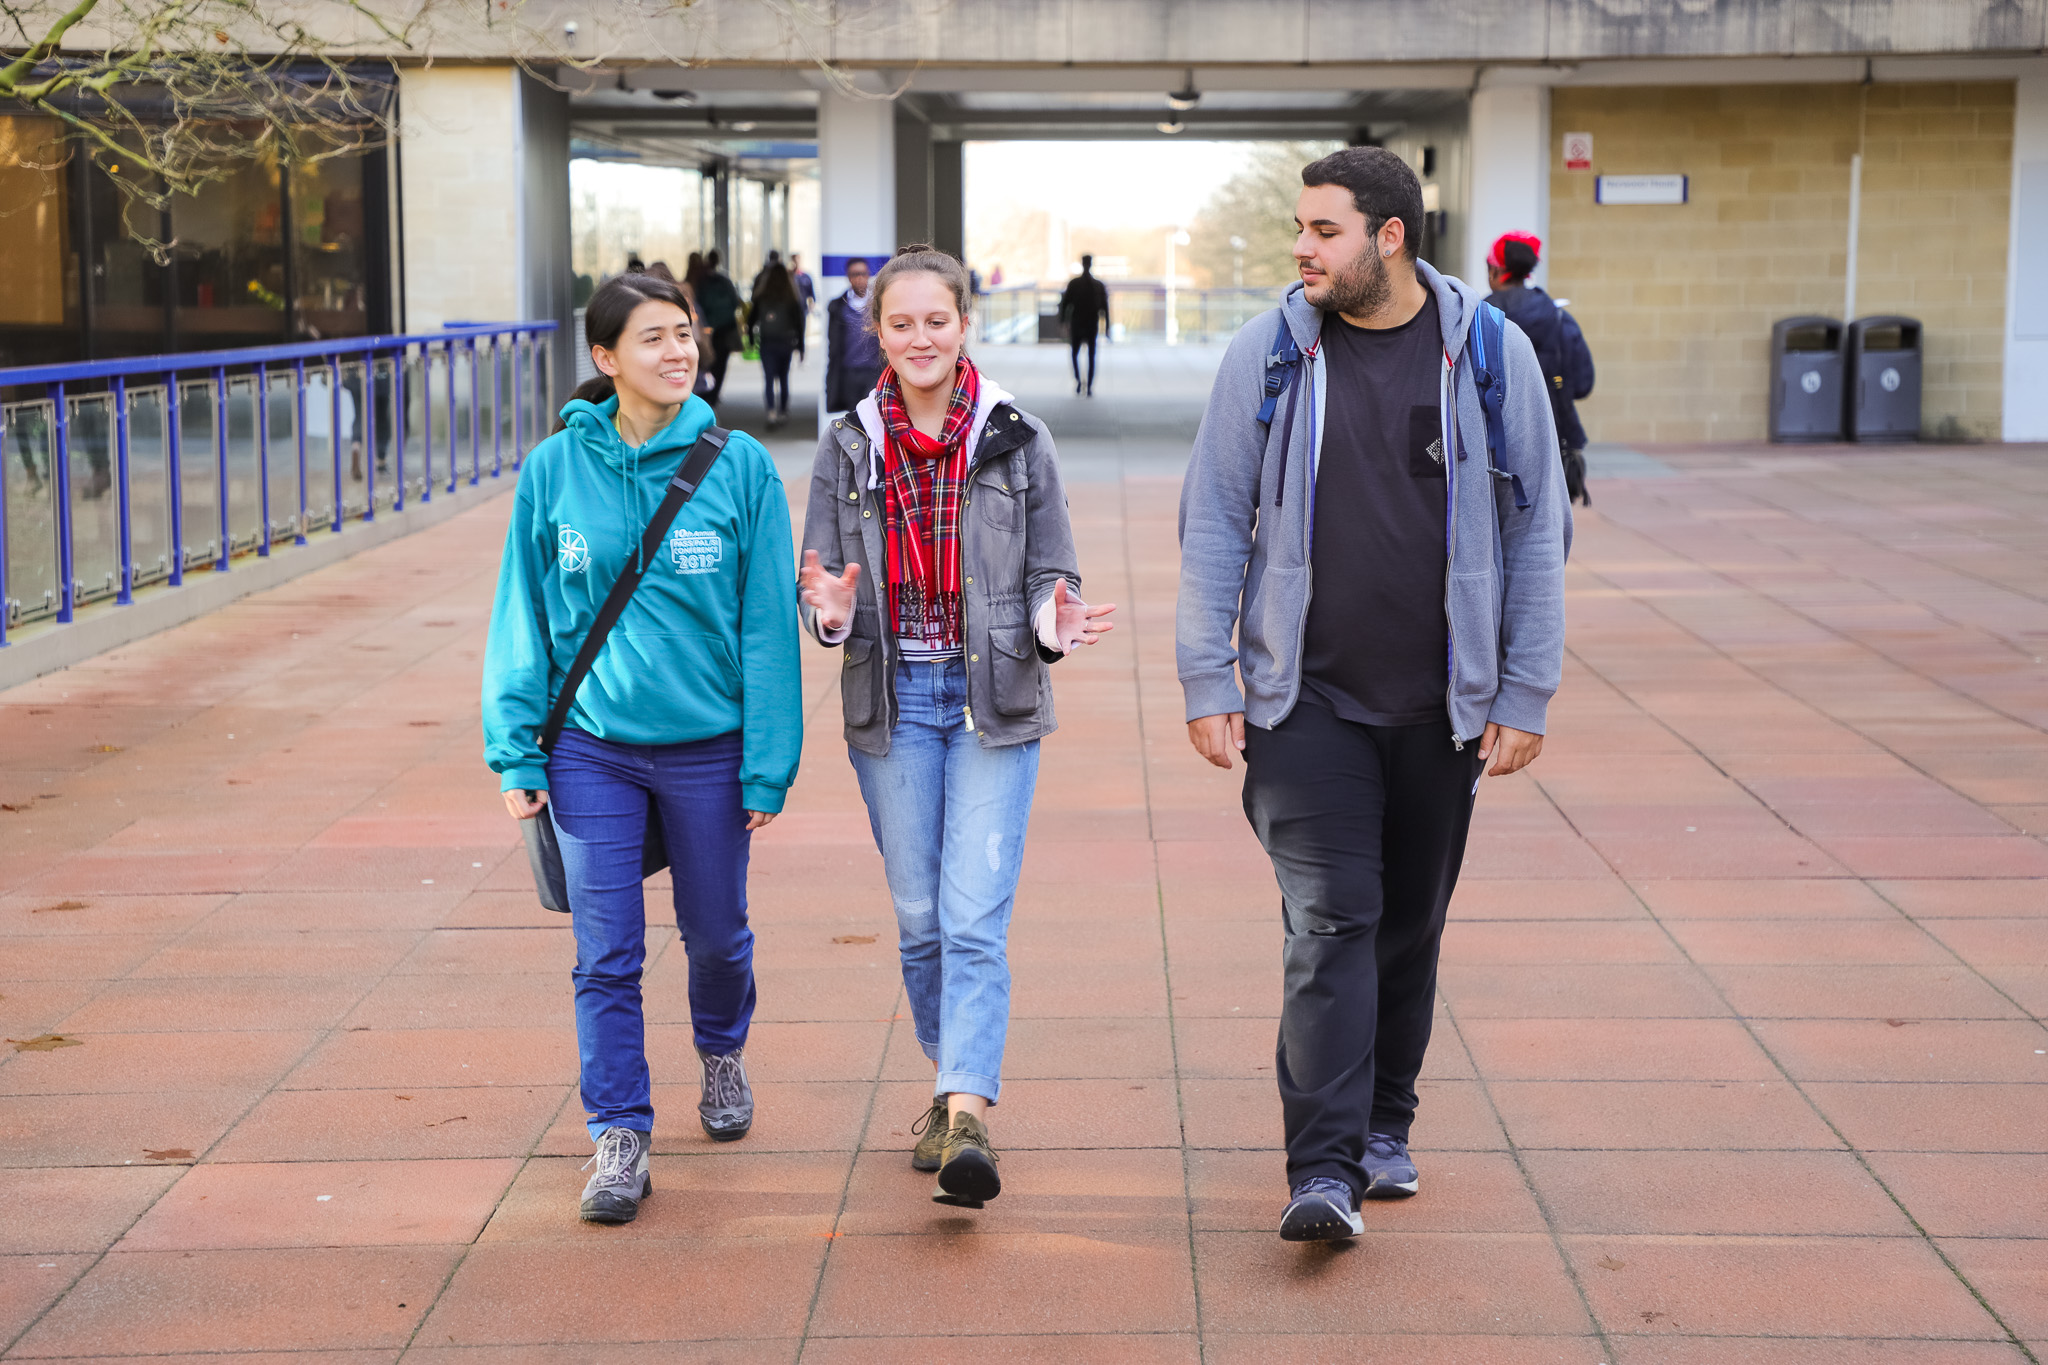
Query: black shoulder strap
{"points": [[680, 490]]}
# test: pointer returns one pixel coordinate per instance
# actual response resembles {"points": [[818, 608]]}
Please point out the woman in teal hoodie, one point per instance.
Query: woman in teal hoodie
{"points": [[691, 712]]}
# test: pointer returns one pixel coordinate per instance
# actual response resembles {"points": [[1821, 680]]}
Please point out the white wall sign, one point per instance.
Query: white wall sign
{"points": [[1578, 151], [1639, 189]]}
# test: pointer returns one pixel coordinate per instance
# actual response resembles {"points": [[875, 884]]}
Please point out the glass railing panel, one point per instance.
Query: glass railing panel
{"points": [[434, 393], [27, 440], [245, 474], [464, 362], [283, 426], [149, 484], [383, 405], [199, 473], [355, 488], [418, 433], [543, 377], [322, 490], [505, 365], [95, 505]]}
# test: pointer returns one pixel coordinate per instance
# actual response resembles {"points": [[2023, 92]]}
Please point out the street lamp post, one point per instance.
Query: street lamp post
{"points": [[1178, 237]]}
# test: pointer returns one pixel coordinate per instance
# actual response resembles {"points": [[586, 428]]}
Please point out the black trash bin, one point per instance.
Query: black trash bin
{"points": [[1884, 379], [1806, 379]]}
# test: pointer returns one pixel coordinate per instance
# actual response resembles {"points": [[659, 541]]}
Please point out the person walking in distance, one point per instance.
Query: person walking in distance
{"points": [[691, 714], [1372, 615], [776, 318], [806, 293], [853, 356], [951, 499], [1560, 346], [719, 299], [1084, 312]]}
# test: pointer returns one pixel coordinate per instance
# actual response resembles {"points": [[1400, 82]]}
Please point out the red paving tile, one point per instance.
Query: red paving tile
{"points": [[157, 1302], [323, 1203], [1775, 1286], [282, 960]]}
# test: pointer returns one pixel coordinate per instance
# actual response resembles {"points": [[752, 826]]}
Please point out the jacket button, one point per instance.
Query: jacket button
{"points": [[853, 497], [1013, 417], [866, 513], [974, 658], [970, 580]]}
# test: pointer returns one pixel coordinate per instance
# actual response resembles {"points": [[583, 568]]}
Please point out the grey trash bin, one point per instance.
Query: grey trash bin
{"points": [[1806, 379], [1884, 379]]}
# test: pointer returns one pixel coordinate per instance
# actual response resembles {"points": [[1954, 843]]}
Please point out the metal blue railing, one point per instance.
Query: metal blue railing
{"points": [[124, 473]]}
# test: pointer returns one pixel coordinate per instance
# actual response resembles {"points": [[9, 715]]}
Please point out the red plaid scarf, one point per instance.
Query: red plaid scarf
{"points": [[923, 480]]}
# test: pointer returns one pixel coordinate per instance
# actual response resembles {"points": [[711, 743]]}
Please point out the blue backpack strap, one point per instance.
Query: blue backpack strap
{"points": [[1282, 363], [1486, 342]]}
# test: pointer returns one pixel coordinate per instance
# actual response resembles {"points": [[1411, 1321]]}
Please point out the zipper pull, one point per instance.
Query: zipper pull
{"points": [[1456, 743], [968, 712]]}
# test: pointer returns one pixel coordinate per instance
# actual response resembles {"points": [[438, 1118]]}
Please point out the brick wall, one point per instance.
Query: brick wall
{"points": [[1677, 301]]}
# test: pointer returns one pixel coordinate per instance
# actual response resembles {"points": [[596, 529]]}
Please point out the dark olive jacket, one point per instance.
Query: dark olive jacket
{"points": [[1015, 544]]}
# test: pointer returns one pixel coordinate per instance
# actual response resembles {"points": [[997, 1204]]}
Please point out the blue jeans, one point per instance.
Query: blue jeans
{"points": [[949, 818], [601, 792]]}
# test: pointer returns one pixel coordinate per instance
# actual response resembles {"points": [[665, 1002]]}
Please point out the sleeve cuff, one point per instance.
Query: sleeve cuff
{"points": [[837, 636], [1045, 623], [523, 779], [1212, 694], [762, 797], [1520, 707]]}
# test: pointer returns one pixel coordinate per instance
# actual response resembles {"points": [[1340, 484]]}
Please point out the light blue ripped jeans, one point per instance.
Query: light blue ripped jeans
{"points": [[949, 818]]}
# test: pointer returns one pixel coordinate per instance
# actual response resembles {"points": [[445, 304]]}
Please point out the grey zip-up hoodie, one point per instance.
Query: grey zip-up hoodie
{"points": [[1247, 515]]}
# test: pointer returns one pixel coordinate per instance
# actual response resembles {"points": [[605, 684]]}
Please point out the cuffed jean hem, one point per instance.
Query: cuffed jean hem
{"points": [[989, 1088]]}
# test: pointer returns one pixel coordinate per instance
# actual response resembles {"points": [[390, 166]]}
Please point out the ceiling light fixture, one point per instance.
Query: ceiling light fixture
{"points": [[1170, 128], [1187, 97], [744, 126]]}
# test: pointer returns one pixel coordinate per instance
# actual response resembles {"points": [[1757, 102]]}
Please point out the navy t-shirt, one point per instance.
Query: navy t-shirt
{"points": [[1377, 647]]}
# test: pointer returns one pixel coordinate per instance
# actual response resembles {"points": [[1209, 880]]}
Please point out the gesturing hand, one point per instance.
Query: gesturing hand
{"points": [[830, 597], [1075, 622]]}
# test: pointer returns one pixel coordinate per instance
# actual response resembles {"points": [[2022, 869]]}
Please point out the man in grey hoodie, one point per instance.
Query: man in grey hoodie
{"points": [[1390, 593]]}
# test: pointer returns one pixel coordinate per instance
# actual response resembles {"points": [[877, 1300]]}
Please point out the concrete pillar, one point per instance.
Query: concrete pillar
{"points": [[857, 182], [460, 182], [949, 199], [857, 190], [546, 268], [913, 178], [2026, 272], [1510, 172]]}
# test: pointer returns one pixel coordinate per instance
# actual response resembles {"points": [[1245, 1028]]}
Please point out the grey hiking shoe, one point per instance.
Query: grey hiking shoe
{"points": [[931, 1144], [727, 1108], [967, 1166], [621, 1181]]}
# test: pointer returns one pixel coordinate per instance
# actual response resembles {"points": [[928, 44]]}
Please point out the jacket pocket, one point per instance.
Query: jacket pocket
{"points": [[1475, 634], [858, 683], [1000, 501], [1014, 669]]}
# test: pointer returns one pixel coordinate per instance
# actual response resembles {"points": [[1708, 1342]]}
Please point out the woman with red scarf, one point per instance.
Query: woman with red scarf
{"points": [[938, 479]]}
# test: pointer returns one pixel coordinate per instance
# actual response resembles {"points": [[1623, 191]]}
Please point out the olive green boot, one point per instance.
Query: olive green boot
{"points": [[931, 1142], [967, 1166]]}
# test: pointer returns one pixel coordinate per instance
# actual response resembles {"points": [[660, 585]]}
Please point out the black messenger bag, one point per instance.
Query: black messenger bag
{"points": [[543, 848]]}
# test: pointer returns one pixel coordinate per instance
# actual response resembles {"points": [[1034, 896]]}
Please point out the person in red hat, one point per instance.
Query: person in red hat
{"points": [[1560, 345]]}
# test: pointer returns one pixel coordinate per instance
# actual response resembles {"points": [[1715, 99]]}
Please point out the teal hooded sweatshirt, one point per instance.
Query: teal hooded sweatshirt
{"points": [[708, 643]]}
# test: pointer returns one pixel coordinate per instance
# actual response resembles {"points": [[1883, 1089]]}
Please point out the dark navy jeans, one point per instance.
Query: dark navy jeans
{"points": [[601, 793]]}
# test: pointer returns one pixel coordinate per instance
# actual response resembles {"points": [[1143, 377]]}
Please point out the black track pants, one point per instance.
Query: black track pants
{"points": [[1366, 827]]}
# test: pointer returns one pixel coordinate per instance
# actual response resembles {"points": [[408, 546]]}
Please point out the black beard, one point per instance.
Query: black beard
{"points": [[1360, 289]]}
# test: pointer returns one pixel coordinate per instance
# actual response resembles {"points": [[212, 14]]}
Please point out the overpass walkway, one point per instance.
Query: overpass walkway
{"points": [[1740, 1053]]}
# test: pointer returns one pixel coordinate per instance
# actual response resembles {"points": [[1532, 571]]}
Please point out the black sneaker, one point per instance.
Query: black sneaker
{"points": [[1389, 1173], [621, 1182], [967, 1168], [930, 1130], [727, 1106], [1320, 1212]]}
